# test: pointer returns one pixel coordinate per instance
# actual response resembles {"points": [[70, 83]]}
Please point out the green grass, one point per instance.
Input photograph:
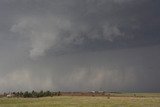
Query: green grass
{"points": [[81, 101]]}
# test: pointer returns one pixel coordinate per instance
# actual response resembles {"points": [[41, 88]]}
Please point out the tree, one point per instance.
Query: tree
{"points": [[27, 94], [21, 94], [59, 93], [40, 94], [34, 94], [47, 93]]}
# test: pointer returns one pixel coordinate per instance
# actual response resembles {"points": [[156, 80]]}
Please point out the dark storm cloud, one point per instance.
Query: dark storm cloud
{"points": [[51, 42]]}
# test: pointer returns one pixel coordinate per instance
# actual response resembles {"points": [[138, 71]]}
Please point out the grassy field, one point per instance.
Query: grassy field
{"points": [[148, 100]]}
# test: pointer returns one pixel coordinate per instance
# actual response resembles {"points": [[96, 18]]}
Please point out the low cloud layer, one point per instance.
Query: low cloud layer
{"points": [[73, 45]]}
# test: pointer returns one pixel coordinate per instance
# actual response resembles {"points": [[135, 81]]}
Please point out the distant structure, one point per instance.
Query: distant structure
{"points": [[10, 95], [93, 93]]}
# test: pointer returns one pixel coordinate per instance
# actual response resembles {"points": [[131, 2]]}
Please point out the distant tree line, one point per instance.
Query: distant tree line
{"points": [[35, 94]]}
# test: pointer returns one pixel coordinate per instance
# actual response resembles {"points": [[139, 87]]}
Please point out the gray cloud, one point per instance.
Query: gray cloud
{"points": [[58, 33], [74, 45]]}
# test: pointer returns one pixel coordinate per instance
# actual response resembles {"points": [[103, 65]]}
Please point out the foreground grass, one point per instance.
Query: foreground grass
{"points": [[81, 101]]}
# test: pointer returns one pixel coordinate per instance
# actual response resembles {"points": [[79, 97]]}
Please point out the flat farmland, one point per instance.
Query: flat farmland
{"points": [[141, 100]]}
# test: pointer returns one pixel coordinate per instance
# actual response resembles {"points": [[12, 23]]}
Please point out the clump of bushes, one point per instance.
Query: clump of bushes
{"points": [[36, 94]]}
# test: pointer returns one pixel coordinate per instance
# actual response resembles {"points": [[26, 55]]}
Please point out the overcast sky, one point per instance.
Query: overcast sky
{"points": [[80, 45]]}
